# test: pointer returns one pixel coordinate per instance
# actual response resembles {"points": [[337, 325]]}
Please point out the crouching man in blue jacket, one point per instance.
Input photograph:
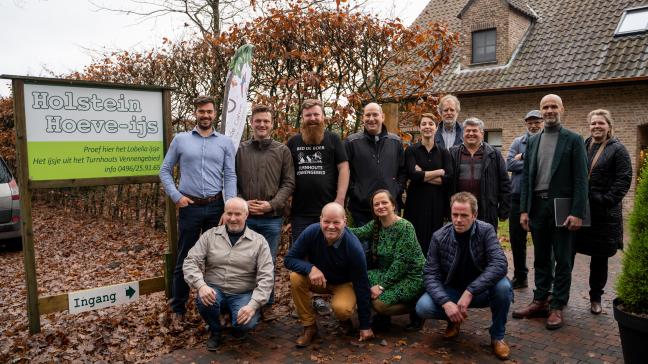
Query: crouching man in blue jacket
{"points": [[466, 267]]}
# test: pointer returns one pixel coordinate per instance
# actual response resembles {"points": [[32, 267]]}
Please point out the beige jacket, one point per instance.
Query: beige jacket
{"points": [[244, 267]]}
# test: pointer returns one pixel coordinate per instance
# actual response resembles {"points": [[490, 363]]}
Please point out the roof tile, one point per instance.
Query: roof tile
{"points": [[558, 49]]}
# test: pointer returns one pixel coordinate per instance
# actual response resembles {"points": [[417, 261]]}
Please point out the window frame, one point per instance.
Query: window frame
{"points": [[617, 31], [495, 130], [484, 45]]}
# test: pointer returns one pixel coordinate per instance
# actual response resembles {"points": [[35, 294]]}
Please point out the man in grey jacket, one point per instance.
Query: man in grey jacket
{"points": [[238, 272], [515, 165], [266, 179], [466, 267]]}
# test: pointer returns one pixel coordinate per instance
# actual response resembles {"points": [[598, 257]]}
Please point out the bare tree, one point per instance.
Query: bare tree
{"points": [[211, 17]]}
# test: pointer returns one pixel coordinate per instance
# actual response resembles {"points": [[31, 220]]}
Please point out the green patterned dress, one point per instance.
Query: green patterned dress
{"points": [[400, 261]]}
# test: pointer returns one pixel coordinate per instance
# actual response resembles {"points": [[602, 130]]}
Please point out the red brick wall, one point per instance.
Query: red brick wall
{"points": [[518, 25], [488, 14], [626, 103]]}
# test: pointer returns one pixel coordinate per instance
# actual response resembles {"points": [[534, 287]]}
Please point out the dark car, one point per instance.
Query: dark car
{"points": [[9, 208]]}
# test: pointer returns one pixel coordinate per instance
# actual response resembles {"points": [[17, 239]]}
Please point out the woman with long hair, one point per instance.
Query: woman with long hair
{"points": [[394, 260], [610, 174]]}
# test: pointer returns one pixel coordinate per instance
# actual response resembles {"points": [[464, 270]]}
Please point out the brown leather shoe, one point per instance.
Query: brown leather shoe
{"points": [[307, 337], [534, 309], [555, 319], [595, 307], [451, 331], [500, 349]]}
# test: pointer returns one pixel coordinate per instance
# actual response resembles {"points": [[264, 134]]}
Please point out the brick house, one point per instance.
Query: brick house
{"points": [[593, 53]]}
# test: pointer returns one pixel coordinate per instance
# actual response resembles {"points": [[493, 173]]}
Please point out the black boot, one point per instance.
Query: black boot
{"points": [[416, 323]]}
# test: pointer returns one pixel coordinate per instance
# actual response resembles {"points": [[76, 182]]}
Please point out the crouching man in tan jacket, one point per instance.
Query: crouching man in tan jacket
{"points": [[239, 274]]}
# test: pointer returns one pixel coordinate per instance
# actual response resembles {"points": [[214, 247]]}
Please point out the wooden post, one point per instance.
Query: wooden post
{"points": [[391, 116], [25, 207], [171, 221]]}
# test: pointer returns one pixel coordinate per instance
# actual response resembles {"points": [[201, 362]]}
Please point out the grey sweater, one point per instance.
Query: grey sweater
{"points": [[546, 150]]}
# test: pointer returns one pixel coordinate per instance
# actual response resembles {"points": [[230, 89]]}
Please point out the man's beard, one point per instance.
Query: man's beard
{"points": [[312, 134], [552, 122], [201, 126], [449, 124]]}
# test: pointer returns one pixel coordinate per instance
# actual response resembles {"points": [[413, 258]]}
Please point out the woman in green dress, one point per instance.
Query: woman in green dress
{"points": [[395, 262]]}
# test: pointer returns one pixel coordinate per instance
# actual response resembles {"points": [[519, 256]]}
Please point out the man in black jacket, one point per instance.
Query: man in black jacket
{"points": [[466, 267], [376, 160], [480, 169]]}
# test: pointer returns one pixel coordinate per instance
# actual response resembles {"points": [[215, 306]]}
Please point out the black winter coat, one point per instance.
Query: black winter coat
{"points": [[608, 184]]}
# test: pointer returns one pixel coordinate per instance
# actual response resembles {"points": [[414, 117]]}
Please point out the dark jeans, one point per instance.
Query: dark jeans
{"points": [[193, 220], [498, 298], [518, 238], [360, 218], [231, 302], [553, 254], [299, 223], [597, 276], [270, 228]]}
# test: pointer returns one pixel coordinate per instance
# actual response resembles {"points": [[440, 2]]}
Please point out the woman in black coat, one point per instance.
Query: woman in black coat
{"points": [[429, 169], [610, 174]]}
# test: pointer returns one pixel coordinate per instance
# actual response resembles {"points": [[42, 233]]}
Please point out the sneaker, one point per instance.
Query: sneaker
{"points": [[321, 306], [213, 342]]}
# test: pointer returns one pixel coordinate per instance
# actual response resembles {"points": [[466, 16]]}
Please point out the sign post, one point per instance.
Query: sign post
{"points": [[79, 133]]}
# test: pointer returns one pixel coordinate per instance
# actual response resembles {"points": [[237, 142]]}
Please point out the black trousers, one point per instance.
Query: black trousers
{"points": [[518, 238], [597, 276]]}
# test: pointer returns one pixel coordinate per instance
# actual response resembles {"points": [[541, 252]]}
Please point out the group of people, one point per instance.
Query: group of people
{"points": [[232, 203]]}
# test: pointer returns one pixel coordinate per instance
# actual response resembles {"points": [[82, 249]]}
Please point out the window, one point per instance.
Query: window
{"points": [[633, 21], [483, 46], [494, 138]]}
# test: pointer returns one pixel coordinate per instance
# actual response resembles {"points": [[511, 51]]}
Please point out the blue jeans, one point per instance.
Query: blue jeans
{"points": [[193, 220], [498, 298], [270, 228], [231, 302]]}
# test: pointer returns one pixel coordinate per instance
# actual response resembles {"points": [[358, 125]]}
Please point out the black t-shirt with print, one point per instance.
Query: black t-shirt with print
{"points": [[316, 173]]}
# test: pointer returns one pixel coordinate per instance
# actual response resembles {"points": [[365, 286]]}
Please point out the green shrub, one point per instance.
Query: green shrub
{"points": [[632, 286]]}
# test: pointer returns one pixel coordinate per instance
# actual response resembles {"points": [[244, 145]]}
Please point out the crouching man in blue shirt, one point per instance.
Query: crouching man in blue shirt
{"points": [[328, 258], [466, 267]]}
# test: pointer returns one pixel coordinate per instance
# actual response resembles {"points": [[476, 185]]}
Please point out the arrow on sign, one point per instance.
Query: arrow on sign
{"points": [[130, 292]]}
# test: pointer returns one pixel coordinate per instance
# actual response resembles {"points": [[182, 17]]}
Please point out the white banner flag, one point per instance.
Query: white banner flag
{"points": [[236, 92]]}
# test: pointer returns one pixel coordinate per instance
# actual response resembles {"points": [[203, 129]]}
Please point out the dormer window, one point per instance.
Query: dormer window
{"points": [[633, 21], [484, 44]]}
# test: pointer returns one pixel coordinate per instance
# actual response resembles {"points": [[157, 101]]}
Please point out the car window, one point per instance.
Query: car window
{"points": [[5, 175]]}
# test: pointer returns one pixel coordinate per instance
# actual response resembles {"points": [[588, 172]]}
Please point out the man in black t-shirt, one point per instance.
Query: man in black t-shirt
{"points": [[321, 168]]}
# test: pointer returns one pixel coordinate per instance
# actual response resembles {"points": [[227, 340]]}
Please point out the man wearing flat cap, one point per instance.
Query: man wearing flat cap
{"points": [[514, 164]]}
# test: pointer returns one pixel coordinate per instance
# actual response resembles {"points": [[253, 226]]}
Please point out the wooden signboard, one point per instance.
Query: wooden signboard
{"points": [[79, 133]]}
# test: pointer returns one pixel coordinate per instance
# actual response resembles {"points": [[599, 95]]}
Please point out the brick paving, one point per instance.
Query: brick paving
{"points": [[585, 338]]}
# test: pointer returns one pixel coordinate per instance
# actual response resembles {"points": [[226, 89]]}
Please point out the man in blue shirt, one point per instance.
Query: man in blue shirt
{"points": [[328, 258], [515, 165], [449, 133], [207, 178]]}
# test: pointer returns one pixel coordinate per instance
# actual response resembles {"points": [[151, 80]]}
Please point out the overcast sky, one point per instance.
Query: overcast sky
{"points": [[62, 35]]}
